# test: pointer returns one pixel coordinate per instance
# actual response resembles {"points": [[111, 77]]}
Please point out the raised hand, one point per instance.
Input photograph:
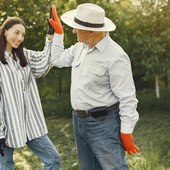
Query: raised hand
{"points": [[55, 21]]}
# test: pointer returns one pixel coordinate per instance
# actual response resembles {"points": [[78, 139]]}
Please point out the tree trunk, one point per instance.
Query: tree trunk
{"points": [[60, 83], [157, 87]]}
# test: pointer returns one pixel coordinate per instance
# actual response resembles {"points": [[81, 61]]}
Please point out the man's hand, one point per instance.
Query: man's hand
{"points": [[2, 145], [55, 21], [129, 146]]}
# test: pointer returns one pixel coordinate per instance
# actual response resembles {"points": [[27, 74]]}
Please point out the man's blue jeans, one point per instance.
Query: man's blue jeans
{"points": [[98, 142], [42, 147]]}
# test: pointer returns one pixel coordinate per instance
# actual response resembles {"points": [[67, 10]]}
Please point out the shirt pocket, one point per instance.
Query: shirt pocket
{"points": [[97, 75], [97, 69]]}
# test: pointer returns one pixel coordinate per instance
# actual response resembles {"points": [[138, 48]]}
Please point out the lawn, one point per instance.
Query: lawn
{"points": [[152, 135]]}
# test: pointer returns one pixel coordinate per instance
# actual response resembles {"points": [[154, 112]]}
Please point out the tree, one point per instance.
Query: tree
{"points": [[143, 30], [155, 39]]}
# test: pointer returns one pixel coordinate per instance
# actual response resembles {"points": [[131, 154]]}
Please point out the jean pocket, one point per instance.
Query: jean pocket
{"points": [[105, 118]]}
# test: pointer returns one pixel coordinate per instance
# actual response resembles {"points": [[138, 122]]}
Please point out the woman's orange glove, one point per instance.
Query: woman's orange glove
{"points": [[55, 21], [129, 146]]}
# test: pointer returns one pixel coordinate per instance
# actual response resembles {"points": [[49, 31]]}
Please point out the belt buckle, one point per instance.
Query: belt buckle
{"points": [[82, 113]]}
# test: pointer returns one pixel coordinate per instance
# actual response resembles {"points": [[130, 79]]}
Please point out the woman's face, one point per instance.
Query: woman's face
{"points": [[14, 36]]}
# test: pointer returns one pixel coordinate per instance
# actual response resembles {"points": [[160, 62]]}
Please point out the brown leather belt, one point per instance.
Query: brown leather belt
{"points": [[96, 112]]}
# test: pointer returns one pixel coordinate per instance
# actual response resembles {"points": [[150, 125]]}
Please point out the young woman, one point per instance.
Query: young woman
{"points": [[21, 116]]}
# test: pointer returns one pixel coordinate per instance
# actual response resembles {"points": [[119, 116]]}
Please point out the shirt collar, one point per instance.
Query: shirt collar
{"points": [[102, 43], [8, 54]]}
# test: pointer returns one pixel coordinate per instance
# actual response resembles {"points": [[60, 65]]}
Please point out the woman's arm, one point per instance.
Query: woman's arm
{"points": [[2, 135], [39, 61]]}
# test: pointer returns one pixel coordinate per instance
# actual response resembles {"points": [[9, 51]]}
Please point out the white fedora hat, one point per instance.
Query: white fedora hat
{"points": [[88, 16]]}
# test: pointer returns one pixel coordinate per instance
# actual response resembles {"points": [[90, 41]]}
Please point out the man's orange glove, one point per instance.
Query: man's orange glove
{"points": [[129, 146], [55, 21]]}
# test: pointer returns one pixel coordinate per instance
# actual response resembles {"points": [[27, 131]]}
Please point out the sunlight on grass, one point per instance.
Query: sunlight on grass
{"points": [[21, 161], [64, 130], [140, 162], [151, 136], [25, 159]]}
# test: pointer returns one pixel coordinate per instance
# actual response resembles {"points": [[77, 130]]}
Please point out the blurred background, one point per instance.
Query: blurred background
{"points": [[143, 30]]}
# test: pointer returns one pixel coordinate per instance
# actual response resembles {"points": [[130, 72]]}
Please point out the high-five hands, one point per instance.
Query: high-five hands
{"points": [[129, 146], [55, 21]]}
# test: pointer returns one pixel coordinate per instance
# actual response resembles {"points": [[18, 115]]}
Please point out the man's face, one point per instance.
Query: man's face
{"points": [[82, 35]]}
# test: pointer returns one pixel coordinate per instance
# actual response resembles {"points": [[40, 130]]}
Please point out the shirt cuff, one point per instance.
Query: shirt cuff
{"points": [[127, 128], [58, 39]]}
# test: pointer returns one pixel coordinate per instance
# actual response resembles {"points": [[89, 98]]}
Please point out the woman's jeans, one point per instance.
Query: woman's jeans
{"points": [[98, 142], [42, 147]]}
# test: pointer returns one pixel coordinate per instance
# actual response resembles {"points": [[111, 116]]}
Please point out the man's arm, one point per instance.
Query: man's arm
{"points": [[123, 87], [59, 56]]}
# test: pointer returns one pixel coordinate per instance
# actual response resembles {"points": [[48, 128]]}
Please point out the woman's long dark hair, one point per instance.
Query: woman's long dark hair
{"points": [[16, 52]]}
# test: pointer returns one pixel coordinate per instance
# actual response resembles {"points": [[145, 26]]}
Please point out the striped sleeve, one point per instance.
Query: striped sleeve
{"points": [[1, 118], [40, 60]]}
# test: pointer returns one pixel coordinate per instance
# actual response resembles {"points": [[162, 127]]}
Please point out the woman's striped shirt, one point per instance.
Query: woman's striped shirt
{"points": [[21, 114]]}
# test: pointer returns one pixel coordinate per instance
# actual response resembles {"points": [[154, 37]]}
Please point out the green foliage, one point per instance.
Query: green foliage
{"points": [[55, 92], [34, 14], [143, 30], [148, 102], [151, 43]]}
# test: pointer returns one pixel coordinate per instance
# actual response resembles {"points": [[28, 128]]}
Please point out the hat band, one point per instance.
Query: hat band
{"points": [[87, 24]]}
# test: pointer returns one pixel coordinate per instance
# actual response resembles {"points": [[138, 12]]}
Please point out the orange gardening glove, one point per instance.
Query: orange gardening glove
{"points": [[128, 143], [55, 21]]}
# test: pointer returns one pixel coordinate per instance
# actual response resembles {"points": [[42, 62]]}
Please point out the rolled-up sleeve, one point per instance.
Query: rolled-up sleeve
{"points": [[61, 57], [40, 60]]}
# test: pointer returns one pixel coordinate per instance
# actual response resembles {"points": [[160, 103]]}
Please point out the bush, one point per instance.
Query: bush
{"points": [[58, 106], [149, 102]]}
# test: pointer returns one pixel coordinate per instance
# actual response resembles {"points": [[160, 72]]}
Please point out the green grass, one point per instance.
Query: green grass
{"points": [[151, 134]]}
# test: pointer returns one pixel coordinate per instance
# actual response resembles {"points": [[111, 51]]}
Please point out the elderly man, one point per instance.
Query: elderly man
{"points": [[103, 95]]}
